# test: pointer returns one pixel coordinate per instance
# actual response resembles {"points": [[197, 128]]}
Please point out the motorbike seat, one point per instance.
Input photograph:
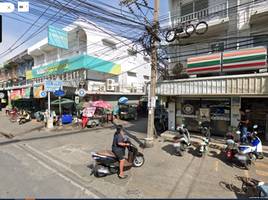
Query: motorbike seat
{"points": [[178, 136], [106, 153], [247, 144]]}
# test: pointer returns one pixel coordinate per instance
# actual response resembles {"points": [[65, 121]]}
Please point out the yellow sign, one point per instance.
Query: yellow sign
{"points": [[4, 101]]}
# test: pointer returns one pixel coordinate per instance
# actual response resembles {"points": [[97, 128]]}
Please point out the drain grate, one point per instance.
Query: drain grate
{"points": [[133, 191]]}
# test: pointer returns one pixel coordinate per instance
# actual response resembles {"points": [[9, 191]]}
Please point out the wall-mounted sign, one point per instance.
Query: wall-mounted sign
{"points": [[15, 95], [3, 100], [76, 100], [82, 93], [2, 95], [25, 93], [188, 109], [51, 86], [37, 91], [57, 37]]}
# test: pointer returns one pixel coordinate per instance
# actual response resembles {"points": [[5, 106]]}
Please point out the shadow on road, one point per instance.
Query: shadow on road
{"points": [[169, 149]]}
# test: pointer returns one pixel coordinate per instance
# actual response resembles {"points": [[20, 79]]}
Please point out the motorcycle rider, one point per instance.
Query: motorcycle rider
{"points": [[244, 125], [118, 149]]}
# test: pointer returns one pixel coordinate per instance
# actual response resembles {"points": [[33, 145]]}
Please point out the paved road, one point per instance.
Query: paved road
{"points": [[57, 165]]}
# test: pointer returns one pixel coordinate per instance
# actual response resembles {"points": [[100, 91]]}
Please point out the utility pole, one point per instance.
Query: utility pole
{"points": [[149, 141]]}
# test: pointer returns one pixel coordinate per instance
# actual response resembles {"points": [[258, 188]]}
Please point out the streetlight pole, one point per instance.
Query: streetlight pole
{"points": [[150, 130]]}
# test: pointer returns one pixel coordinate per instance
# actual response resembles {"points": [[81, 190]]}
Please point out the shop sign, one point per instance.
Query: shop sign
{"points": [[15, 95], [2, 95], [51, 86], [57, 37], [188, 109], [116, 110], [25, 93], [37, 91], [3, 100], [75, 63], [153, 102], [82, 92]]}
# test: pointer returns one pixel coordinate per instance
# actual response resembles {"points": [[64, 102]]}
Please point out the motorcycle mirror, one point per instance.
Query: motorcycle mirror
{"points": [[255, 126]]}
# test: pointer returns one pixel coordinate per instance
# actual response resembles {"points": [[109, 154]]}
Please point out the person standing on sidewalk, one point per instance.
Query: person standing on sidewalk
{"points": [[244, 125], [7, 110]]}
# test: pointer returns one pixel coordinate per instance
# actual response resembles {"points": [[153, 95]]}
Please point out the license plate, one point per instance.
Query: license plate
{"points": [[201, 149], [242, 157], [177, 145]]}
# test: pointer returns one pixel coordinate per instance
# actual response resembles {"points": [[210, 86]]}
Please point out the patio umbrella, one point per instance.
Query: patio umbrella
{"points": [[123, 100], [63, 101], [101, 104], [82, 105]]}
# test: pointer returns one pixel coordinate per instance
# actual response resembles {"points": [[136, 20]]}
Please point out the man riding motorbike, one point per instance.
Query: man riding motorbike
{"points": [[118, 149]]}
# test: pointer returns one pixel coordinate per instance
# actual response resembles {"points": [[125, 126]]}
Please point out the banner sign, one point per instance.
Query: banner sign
{"points": [[15, 95], [51, 86], [57, 37], [25, 93], [89, 112], [60, 93], [37, 91], [74, 63]]}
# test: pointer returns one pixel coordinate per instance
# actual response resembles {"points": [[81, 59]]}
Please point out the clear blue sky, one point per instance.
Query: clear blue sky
{"points": [[13, 29]]}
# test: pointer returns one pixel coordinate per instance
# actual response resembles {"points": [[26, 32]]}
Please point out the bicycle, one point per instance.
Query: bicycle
{"points": [[14, 117], [189, 29]]}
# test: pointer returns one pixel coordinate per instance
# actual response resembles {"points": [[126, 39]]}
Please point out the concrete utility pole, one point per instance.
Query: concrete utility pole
{"points": [[150, 131]]}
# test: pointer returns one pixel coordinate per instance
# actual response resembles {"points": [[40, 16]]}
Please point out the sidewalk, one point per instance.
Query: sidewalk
{"points": [[11, 130], [215, 141]]}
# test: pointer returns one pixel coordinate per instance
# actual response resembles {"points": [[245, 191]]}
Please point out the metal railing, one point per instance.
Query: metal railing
{"points": [[219, 10]]}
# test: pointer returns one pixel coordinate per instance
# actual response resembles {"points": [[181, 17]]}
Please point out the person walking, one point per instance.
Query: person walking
{"points": [[7, 111], [244, 125]]}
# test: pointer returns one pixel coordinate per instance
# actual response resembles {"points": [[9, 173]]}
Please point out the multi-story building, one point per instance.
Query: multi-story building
{"points": [[222, 70], [97, 60]]}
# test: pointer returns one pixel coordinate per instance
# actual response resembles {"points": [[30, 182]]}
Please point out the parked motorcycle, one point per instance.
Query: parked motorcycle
{"points": [[161, 124], [182, 141], [26, 117], [106, 162], [203, 146], [249, 153]]}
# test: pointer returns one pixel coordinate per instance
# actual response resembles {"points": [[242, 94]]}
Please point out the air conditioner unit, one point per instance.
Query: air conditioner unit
{"points": [[117, 88], [102, 88], [133, 90], [110, 85]]}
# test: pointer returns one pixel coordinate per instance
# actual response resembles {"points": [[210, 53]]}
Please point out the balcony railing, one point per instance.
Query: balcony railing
{"points": [[219, 10]]}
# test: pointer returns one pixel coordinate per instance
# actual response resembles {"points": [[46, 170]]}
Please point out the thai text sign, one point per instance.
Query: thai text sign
{"points": [[51, 86], [57, 37], [89, 112]]}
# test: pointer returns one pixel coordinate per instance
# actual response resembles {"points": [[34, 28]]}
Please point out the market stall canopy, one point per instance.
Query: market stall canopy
{"points": [[63, 101], [83, 105], [101, 104], [123, 100]]}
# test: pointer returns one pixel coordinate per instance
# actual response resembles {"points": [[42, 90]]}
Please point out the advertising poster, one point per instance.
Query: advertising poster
{"points": [[37, 91], [26, 93], [15, 95], [205, 112], [116, 110], [89, 112]]}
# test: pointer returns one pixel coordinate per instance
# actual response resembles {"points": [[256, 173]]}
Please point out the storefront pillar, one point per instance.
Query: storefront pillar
{"points": [[235, 106]]}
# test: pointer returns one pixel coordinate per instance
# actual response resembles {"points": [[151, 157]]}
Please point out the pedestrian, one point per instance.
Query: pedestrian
{"points": [[244, 125], [118, 149], [7, 110], [139, 109]]}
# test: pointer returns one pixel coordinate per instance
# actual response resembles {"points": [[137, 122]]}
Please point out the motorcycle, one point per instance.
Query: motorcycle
{"points": [[249, 153], [203, 146], [26, 117], [161, 124], [106, 162], [232, 147], [182, 141]]}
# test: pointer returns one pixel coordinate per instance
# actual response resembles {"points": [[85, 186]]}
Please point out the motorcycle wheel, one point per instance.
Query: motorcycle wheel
{"points": [[96, 172], [38, 119], [13, 119], [180, 152], [171, 35], [138, 161], [206, 28], [247, 163]]}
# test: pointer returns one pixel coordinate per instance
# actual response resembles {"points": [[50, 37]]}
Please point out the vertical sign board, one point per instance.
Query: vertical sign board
{"points": [[57, 37]]}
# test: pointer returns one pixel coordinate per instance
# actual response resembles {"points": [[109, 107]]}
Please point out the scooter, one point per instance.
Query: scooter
{"points": [[203, 146], [161, 124], [106, 162], [182, 141], [25, 117], [249, 153]]}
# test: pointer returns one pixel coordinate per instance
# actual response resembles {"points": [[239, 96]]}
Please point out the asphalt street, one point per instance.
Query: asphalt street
{"points": [[58, 165]]}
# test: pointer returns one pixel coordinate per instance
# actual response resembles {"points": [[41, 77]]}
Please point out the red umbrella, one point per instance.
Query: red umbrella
{"points": [[101, 104]]}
